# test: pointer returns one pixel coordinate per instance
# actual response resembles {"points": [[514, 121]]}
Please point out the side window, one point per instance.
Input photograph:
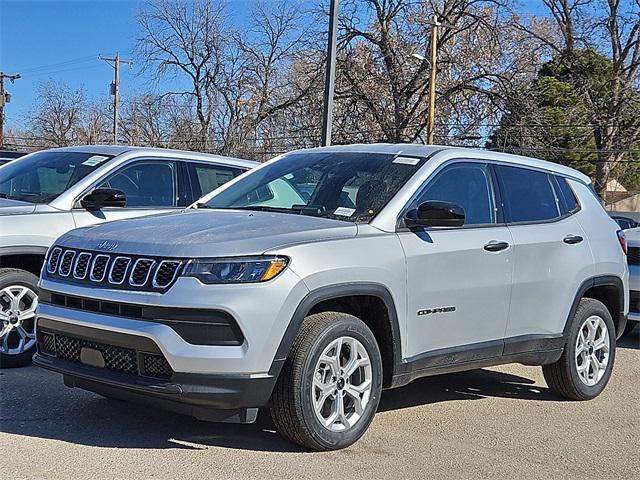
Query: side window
{"points": [[568, 202], [206, 178], [146, 184], [468, 185], [528, 194]]}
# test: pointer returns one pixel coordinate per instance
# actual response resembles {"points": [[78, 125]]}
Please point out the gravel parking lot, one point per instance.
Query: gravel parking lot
{"points": [[493, 423]]}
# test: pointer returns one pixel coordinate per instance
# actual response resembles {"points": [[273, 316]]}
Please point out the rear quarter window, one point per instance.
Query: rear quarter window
{"points": [[528, 194], [566, 196]]}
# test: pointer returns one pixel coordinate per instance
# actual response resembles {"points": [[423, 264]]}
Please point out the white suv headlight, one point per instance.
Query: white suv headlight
{"points": [[235, 270]]}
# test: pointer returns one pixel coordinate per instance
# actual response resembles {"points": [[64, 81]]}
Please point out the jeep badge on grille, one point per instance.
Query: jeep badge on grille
{"points": [[107, 246]]}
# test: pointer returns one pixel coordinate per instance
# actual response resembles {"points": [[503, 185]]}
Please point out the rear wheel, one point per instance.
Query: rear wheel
{"points": [[329, 388], [585, 366], [18, 302]]}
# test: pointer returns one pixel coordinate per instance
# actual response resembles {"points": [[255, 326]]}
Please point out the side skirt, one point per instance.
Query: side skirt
{"points": [[526, 349]]}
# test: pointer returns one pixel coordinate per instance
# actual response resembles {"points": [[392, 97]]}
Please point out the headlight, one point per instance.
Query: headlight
{"points": [[235, 270]]}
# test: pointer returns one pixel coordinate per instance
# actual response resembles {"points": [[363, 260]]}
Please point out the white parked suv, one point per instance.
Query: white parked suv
{"points": [[45, 194], [314, 281]]}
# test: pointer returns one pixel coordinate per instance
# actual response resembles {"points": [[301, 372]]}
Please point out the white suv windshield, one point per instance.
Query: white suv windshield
{"points": [[341, 185], [42, 176]]}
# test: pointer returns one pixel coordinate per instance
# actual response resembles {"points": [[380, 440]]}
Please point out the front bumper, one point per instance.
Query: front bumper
{"points": [[232, 398]]}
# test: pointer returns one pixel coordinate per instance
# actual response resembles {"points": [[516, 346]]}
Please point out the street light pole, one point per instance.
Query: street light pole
{"points": [[432, 82], [330, 75]]}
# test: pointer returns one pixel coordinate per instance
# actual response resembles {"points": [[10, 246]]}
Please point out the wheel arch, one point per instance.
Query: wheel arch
{"points": [[609, 290], [29, 259], [336, 293]]}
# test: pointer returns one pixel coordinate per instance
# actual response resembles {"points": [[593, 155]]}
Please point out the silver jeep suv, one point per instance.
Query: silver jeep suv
{"points": [[314, 281], [47, 193]]}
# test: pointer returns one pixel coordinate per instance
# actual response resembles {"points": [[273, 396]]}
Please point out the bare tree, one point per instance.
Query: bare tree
{"points": [[377, 73], [186, 37], [57, 116]]}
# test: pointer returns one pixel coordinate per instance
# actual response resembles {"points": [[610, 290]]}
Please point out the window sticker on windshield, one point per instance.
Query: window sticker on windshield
{"points": [[94, 160], [344, 211], [406, 160]]}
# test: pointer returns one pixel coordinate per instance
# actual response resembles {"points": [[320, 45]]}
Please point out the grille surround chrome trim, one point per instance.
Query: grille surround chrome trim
{"points": [[92, 277], [71, 262], [75, 265], [126, 268], [155, 284], [135, 266], [53, 250], [155, 274]]}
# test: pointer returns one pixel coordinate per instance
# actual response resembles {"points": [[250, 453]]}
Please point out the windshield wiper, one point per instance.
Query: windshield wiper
{"points": [[265, 208]]}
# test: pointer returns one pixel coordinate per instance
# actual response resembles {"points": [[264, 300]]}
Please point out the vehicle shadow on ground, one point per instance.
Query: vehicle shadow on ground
{"points": [[34, 403], [631, 340]]}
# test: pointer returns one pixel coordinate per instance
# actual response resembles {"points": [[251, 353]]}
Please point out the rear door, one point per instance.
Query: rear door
{"points": [[551, 254], [206, 177], [459, 279]]}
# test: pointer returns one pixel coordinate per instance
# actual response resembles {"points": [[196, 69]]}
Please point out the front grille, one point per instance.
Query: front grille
{"points": [[65, 263], [116, 359], [140, 272], [119, 270], [634, 304], [82, 266], [633, 256], [129, 272], [54, 257], [166, 273]]}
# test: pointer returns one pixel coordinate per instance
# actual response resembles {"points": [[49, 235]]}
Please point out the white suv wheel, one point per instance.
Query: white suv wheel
{"points": [[592, 350], [341, 384]]}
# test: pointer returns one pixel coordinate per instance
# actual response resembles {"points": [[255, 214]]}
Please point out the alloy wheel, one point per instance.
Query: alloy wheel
{"points": [[592, 350], [17, 316], [342, 383]]}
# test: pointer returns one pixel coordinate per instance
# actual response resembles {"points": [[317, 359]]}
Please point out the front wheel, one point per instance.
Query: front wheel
{"points": [[585, 366], [18, 302], [330, 386]]}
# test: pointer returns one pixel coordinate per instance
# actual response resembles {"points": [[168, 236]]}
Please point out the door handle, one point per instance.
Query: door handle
{"points": [[572, 239], [494, 246]]}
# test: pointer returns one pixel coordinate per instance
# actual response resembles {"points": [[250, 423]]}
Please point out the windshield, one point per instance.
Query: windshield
{"points": [[42, 176], [340, 185]]}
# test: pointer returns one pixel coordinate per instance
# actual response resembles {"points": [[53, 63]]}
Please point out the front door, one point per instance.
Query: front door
{"points": [[459, 279], [150, 187]]}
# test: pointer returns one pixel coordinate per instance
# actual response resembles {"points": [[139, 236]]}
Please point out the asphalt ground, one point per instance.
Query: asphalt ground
{"points": [[492, 423]]}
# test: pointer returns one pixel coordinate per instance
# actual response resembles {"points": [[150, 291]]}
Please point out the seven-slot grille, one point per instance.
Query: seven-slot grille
{"points": [[633, 256], [112, 270]]}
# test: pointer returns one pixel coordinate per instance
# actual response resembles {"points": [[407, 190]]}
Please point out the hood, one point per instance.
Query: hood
{"points": [[14, 207], [208, 233]]}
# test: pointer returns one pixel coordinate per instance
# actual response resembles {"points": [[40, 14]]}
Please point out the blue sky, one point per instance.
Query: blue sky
{"points": [[61, 40]]}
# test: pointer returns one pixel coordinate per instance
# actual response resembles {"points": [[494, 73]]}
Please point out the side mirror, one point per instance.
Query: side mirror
{"points": [[104, 197], [435, 214]]}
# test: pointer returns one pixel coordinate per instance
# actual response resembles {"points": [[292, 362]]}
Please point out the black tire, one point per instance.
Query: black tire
{"points": [[9, 277], [291, 402], [631, 325], [562, 376]]}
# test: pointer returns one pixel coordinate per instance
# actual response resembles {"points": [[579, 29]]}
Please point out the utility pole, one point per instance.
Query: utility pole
{"points": [[432, 83], [4, 99], [330, 75], [115, 89]]}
